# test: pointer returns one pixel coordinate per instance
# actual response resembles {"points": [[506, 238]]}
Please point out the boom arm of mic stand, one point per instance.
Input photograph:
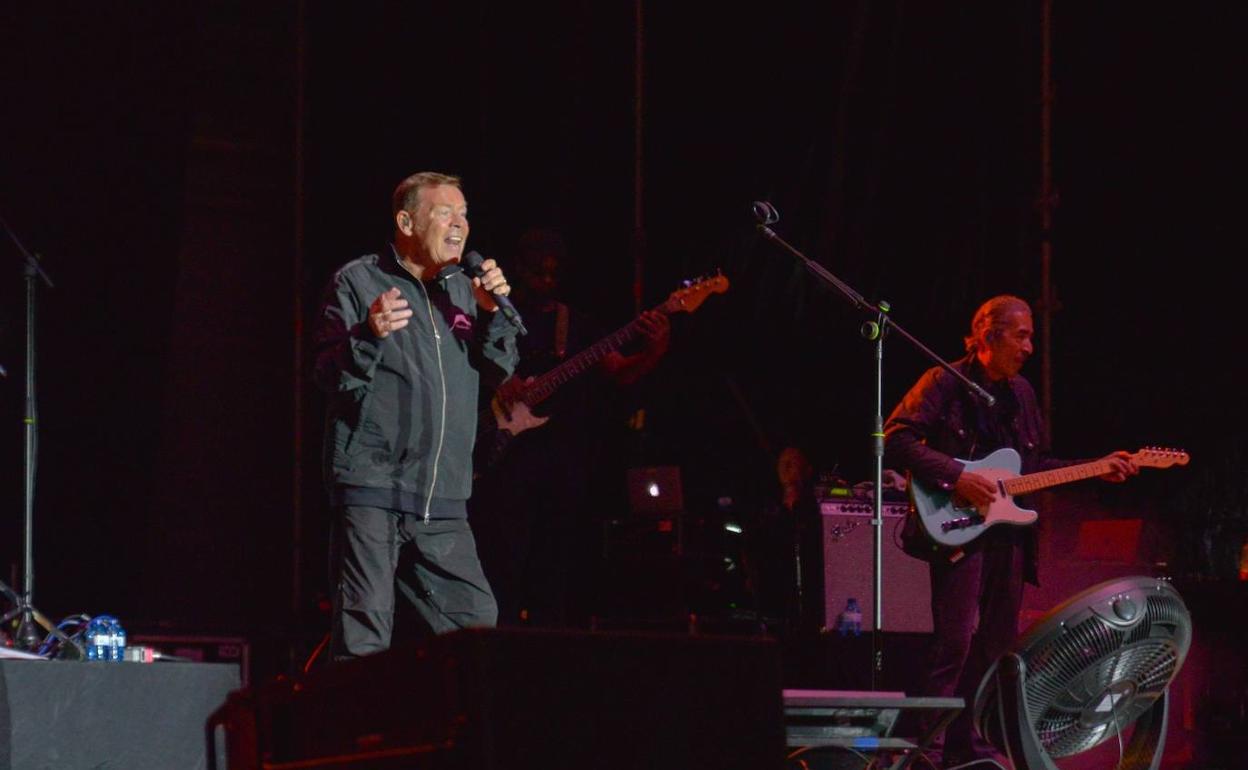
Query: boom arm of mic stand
{"points": [[32, 262], [874, 330], [885, 321]]}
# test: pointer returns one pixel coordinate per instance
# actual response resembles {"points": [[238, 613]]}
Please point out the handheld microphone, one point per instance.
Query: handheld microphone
{"points": [[472, 266]]}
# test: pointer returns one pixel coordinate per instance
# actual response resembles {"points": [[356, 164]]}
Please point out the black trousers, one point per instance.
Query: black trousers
{"points": [[975, 608], [399, 578]]}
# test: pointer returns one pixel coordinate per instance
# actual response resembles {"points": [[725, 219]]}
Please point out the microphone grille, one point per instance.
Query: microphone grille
{"points": [[765, 213]]}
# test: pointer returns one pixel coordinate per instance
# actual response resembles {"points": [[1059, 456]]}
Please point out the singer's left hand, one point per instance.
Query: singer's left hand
{"points": [[490, 283]]}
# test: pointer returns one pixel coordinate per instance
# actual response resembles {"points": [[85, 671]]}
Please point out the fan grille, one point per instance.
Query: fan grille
{"points": [[1089, 677]]}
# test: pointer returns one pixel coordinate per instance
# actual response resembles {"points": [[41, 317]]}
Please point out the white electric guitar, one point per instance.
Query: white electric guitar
{"points": [[951, 521]]}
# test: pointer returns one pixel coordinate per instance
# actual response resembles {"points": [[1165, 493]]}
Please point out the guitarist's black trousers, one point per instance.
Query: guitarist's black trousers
{"points": [[975, 608]]}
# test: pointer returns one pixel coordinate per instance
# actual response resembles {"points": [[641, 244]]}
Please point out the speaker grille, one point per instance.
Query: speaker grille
{"points": [[849, 570]]}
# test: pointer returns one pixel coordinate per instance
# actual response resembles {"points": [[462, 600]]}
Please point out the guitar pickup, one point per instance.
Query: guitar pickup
{"points": [[961, 522]]}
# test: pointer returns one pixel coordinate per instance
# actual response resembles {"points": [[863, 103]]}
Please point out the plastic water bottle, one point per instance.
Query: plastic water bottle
{"points": [[88, 638], [99, 639], [118, 641], [851, 619]]}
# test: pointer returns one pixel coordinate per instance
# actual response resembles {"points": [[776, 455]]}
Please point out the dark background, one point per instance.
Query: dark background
{"points": [[192, 177]]}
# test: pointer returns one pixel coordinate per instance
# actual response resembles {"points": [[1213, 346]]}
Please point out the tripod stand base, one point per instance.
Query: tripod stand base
{"points": [[27, 636]]}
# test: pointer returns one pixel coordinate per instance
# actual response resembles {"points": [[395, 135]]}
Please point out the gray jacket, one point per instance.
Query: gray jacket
{"points": [[402, 414]]}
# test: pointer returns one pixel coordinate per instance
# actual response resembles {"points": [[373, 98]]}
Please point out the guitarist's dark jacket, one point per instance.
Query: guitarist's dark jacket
{"points": [[940, 420]]}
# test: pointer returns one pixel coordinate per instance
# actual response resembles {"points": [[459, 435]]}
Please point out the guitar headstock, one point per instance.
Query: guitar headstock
{"points": [[1158, 457], [689, 297]]}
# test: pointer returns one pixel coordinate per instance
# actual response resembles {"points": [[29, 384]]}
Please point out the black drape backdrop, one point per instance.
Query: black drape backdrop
{"points": [[150, 155]]}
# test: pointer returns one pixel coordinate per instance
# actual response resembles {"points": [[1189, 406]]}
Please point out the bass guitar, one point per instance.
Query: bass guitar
{"points": [[497, 427]]}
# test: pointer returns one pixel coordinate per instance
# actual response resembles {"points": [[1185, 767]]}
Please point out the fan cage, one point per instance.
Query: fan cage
{"points": [[1089, 673]]}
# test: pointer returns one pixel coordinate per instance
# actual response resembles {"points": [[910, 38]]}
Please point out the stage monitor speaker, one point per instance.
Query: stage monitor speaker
{"points": [[498, 699], [72, 715], [849, 568]]}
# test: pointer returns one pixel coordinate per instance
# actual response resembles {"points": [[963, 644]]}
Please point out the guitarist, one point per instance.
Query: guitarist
{"points": [[537, 532], [560, 331], [977, 590]]}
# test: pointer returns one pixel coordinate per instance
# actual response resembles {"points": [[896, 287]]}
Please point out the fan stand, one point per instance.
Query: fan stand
{"points": [[1143, 752]]}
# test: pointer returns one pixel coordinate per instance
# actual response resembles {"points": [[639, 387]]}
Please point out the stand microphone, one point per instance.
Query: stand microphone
{"points": [[766, 213], [29, 619], [873, 330]]}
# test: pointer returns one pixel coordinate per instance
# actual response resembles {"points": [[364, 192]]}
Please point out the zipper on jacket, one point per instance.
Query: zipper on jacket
{"points": [[437, 455]]}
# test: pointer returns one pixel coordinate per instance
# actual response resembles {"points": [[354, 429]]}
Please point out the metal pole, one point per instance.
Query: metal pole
{"points": [[639, 95], [31, 447], [877, 507], [1047, 204], [296, 521], [28, 636]]}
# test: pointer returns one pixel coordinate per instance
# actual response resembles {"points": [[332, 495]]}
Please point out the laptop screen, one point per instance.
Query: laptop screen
{"points": [[655, 491]]}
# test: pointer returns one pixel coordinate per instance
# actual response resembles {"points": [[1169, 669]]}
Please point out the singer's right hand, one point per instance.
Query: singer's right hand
{"points": [[388, 313]]}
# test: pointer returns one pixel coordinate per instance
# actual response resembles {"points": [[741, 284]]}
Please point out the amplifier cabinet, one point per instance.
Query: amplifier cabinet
{"points": [[849, 568]]}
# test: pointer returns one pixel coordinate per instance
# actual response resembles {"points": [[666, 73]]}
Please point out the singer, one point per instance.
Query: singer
{"points": [[405, 337]]}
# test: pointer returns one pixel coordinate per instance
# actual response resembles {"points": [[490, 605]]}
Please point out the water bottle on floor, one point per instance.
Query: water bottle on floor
{"points": [[850, 621], [118, 639], [99, 638]]}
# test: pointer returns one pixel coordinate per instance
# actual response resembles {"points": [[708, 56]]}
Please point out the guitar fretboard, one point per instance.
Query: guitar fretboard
{"points": [[548, 383], [1033, 482]]}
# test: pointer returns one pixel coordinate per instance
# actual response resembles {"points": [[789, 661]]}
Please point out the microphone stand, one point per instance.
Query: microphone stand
{"points": [[874, 331], [28, 636]]}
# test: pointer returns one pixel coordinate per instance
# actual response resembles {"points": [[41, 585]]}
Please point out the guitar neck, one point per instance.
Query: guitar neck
{"points": [[1033, 482], [543, 387]]}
